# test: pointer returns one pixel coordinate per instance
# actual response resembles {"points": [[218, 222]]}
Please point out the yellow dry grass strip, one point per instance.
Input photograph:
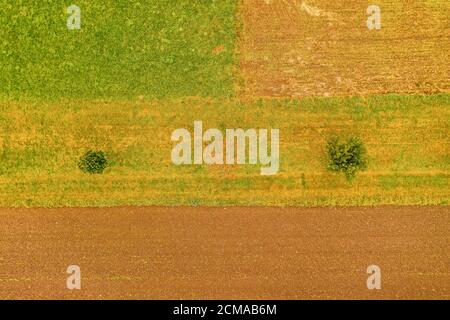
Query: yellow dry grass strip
{"points": [[406, 137]]}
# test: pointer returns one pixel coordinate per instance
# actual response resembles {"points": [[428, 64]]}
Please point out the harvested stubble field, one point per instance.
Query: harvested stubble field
{"points": [[320, 47]]}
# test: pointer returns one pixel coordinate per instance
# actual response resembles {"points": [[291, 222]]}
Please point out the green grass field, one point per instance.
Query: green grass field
{"points": [[124, 48], [137, 70]]}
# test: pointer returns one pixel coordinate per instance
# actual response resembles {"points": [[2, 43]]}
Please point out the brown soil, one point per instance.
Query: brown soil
{"points": [[225, 253]]}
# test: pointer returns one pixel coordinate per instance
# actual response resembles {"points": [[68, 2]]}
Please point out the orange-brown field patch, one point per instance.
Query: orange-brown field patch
{"points": [[225, 253], [321, 47]]}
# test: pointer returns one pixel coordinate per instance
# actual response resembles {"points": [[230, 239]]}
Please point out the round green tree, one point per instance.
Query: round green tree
{"points": [[93, 162], [348, 157]]}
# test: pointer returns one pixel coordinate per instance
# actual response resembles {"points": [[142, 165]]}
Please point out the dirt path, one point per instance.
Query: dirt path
{"points": [[224, 253]]}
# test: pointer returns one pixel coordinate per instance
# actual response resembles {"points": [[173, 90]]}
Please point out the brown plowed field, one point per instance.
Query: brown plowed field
{"points": [[225, 253], [320, 47]]}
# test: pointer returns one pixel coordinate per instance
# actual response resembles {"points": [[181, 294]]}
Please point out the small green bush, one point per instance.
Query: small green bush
{"points": [[348, 157], [93, 162]]}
